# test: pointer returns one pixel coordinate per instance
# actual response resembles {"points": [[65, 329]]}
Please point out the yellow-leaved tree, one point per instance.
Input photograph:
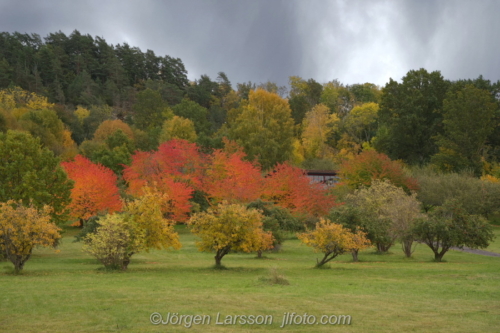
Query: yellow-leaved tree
{"points": [[316, 128], [230, 227], [178, 128], [22, 228], [141, 227], [332, 239]]}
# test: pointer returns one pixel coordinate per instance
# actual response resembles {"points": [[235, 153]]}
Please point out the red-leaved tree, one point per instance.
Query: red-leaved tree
{"points": [[94, 191], [229, 177], [370, 165], [175, 169], [289, 187]]}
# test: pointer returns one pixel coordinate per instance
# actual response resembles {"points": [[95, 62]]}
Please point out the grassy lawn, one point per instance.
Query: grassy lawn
{"points": [[67, 291], [495, 245]]}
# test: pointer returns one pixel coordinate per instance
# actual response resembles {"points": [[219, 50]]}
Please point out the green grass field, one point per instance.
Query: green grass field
{"points": [[69, 292]]}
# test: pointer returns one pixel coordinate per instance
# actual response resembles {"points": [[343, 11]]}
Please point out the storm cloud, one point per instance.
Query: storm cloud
{"points": [[352, 41]]}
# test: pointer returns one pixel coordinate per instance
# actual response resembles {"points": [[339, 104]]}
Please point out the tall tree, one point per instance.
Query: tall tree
{"points": [[468, 114], [29, 172], [316, 128], [264, 128], [150, 110], [410, 113]]}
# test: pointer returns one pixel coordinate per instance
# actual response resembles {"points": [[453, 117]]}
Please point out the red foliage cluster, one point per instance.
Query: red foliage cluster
{"points": [[370, 165], [229, 177], [178, 169], [94, 190], [175, 169], [289, 187]]}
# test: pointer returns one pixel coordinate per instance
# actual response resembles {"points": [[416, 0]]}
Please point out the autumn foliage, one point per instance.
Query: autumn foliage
{"points": [[22, 228], [140, 228], [369, 166], [94, 191], [230, 227], [289, 187], [108, 127], [229, 177], [175, 170], [333, 239]]}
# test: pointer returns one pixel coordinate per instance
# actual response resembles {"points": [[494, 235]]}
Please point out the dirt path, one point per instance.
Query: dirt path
{"points": [[481, 252]]}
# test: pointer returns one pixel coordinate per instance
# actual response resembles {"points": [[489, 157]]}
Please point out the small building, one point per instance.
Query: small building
{"points": [[326, 177]]}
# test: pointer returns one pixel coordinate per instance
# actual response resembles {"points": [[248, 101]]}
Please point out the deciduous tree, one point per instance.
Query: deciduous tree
{"points": [[229, 227], [264, 128], [468, 114], [141, 227], [289, 187], [23, 228], [29, 172], [448, 226], [317, 126], [175, 169], [410, 114], [329, 238], [178, 128], [94, 191], [369, 166], [229, 177]]}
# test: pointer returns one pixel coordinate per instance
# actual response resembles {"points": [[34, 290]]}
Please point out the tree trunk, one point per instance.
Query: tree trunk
{"points": [[259, 254], [218, 261], [383, 247], [325, 259], [355, 255], [126, 261], [407, 247]]}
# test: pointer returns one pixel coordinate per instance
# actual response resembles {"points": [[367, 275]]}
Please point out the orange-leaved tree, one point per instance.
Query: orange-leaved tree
{"points": [[289, 187], [371, 165], [229, 177], [95, 190]]}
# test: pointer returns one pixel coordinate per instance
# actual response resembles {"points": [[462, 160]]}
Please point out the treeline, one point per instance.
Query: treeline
{"points": [[453, 125]]}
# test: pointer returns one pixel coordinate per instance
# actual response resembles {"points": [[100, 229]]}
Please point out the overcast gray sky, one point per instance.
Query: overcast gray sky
{"points": [[352, 41]]}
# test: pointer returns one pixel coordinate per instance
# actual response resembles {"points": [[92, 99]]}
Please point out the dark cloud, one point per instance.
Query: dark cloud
{"points": [[353, 41]]}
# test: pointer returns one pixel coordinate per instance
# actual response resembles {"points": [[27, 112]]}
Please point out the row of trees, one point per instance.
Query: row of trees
{"points": [[381, 205]]}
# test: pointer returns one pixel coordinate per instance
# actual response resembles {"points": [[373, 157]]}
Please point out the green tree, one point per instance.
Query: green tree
{"points": [[410, 113], [29, 172], [264, 128], [194, 112], [468, 114], [475, 196], [150, 110], [449, 226], [388, 214]]}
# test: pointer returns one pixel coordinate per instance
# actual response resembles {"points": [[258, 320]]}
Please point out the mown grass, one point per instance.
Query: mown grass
{"points": [[68, 291], [495, 245]]}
